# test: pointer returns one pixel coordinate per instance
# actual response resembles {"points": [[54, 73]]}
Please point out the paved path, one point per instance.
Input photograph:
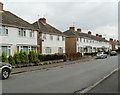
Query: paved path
{"points": [[62, 79], [110, 85]]}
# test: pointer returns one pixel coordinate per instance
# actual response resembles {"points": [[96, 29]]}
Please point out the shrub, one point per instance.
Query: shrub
{"points": [[33, 57], [4, 58], [0, 58], [17, 58], [26, 59], [50, 57], [11, 60], [21, 55]]}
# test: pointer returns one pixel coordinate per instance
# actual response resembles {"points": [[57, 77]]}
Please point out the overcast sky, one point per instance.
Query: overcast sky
{"points": [[98, 16]]}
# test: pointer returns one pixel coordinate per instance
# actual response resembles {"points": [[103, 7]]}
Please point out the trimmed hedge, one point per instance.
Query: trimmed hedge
{"points": [[50, 57], [32, 57]]}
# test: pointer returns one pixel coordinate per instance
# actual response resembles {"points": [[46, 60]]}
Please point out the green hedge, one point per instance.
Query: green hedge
{"points": [[50, 57], [32, 57]]}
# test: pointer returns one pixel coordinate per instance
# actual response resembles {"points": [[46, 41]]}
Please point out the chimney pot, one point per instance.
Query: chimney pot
{"points": [[43, 20], [89, 32], [97, 35], [79, 30], [100, 36], [72, 28], [111, 39], [1, 6]]}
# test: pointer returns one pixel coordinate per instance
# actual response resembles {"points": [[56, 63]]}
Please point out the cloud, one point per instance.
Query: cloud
{"points": [[86, 14], [107, 31]]}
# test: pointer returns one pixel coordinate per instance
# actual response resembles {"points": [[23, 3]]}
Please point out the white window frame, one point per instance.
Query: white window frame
{"points": [[21, 32], [32, 33]]}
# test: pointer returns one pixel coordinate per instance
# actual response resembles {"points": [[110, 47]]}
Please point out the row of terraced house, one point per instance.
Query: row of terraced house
{"points": [[17, 34]]}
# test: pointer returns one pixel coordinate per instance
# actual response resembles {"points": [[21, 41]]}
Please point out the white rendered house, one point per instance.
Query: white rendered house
{"points": [[15, 34], [79, 42], [50, 39]]}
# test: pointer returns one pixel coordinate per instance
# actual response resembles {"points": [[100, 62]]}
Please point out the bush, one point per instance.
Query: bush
{"points": [[23, 57], [50, 57], [17, 58], [33, 57], [11, 60], [26, 59], [4, 58], [0, 58]]}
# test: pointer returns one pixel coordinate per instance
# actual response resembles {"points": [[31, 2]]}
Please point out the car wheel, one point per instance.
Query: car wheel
{"points": [[5, 73]]}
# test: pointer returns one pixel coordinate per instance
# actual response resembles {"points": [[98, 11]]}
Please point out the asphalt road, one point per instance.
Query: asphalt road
{"points": [[63, 79]]}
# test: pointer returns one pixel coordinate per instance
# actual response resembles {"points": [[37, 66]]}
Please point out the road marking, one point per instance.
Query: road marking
{"points": [[95, 84]]}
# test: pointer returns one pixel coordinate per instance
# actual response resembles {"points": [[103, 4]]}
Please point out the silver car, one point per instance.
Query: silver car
{"points": [[5, 70], [101, 55]]}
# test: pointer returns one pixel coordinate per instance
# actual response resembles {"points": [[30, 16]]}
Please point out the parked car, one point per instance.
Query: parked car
{"points": [[113, 53], [101, 55], [5, 70]]}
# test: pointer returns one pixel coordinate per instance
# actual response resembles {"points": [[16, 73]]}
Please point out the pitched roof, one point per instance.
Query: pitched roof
{"points": [[10, 19], [73, 33], [47, 28]]}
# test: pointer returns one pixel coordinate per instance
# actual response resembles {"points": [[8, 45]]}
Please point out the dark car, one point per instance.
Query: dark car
{"points": [[5, 70], [113, 53]]}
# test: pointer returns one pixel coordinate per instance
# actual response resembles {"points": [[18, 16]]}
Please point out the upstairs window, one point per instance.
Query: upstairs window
{"points": [[63, 38], [0, 30], [31, 33], [3, 30], [77, 39], [58, 38], [44, 36], [51, 37], [87, 40], [80, 39], [22, 32], [84, 39]]}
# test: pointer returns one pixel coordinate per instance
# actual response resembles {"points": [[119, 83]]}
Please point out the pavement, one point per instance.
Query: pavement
{"points": [[61, 79], [41, 67], [110, 85]]}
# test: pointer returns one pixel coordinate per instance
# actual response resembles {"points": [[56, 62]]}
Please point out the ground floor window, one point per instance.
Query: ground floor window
{"points": [[6, 50], [94, 49], [26, 48], [33, 48], [85, 50], [48, 50], [80, 49], [89, 50], [60, 50]]}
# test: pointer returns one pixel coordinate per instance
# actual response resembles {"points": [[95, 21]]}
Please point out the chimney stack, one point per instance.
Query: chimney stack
{"points": [[97, 35], [118, 41], [111, 39], [43, 20], [79, 30], [1, 6], [100, 36], [72, 28], [89, 32]]}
